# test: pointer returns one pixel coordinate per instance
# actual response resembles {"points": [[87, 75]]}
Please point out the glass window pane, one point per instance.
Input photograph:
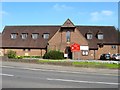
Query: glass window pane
{"points": [[89, 36], [100, 36], [68, 36], [46, 36], [13, 36], [84, 53], [24, 35], [113, 46], [35, 35]]}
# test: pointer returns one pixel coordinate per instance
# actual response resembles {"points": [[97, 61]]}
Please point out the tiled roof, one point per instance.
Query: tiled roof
{"points": [[27, 43], [109, 32]]}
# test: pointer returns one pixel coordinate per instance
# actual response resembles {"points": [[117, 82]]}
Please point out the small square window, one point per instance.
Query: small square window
{"points": [[113, 46], [24, 35], [29, 49], [46, 35], [13, 35], [89, 36], [35, 35], [85, 53], [100, 36], [26, 49]]}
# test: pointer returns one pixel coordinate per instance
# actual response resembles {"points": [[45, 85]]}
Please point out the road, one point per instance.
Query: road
{"points": [[23, 77]]}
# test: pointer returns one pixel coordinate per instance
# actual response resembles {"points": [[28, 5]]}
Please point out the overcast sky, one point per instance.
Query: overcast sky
{"points": [[55, 13]]}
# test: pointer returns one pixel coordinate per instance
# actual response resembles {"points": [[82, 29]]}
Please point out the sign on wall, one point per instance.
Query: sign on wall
{"points": [[66, 55], [84, 48], [75, 47]]}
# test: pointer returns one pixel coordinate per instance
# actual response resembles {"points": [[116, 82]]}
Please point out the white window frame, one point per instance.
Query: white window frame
{"points": [[13, 35], [26, 49], [89, 36], [24, 35], [35, 35], [46, 37], [85, 52], [113, 46], [100, 36]]}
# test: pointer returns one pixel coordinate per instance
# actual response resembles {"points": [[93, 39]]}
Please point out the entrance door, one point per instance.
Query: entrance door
{"points": [[68, 51]]}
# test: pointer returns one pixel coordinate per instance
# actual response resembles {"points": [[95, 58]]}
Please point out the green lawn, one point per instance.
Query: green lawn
{"points": [[69, 63], [96, 65], [81, 64]]}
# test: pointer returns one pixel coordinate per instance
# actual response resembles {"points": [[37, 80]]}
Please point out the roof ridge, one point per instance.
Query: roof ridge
{"points": [[31, 25], [92, 26]]}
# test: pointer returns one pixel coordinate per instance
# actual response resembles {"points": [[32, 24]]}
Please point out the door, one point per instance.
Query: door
{"points": [[68, 51]]}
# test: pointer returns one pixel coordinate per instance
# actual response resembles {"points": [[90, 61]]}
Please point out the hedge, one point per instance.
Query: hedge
{"points": [[54, 55]]}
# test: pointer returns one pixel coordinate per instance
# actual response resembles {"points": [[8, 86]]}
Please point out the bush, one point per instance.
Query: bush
{"points": [[19, 57], [11, 54], [54, 55]]}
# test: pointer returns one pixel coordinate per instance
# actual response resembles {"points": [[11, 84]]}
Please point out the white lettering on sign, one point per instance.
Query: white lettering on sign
{"points": [[84, 48]]}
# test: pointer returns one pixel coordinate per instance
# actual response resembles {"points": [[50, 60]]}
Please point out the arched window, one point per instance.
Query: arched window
{"points": [[68, 36]]}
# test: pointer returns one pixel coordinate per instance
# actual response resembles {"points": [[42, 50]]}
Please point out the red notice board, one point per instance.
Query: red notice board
{"points": [[75, 47]]}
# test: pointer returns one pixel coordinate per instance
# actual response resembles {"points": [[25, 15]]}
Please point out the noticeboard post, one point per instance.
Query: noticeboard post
{"points": [[75, 48]]}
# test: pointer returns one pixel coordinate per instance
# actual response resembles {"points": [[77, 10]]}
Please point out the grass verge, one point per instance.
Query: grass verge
{"points": [[81, 64], [68, 63], [96, 65]]}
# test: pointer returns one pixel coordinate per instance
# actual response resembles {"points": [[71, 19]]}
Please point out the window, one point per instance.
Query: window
{"points": [[29, 49], [89, 36], [100, 36], [35, 35], [13, 35], [46, 35], [24, 35], [84, 53], [68, 36], [113, 46], [26, 49]]}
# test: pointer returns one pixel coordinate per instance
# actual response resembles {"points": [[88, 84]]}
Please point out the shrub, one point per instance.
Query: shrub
{"points": [[11, 54], [54, 55], [19, 57]]}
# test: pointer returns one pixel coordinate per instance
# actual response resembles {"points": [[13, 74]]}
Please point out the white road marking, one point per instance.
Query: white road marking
{"points": [[37, 69], [76, 81], [8, 67], [6, 75]]}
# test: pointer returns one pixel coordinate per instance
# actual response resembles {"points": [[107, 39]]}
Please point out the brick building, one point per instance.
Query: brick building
{"points": [[37, 40]]}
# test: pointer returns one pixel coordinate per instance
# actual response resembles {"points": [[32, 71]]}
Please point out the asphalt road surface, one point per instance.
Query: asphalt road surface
{"points": [[20, 77]]}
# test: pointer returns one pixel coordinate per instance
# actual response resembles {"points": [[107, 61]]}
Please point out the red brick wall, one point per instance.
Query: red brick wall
{"points": [[58, 41], [32, 52], [106, 49]]}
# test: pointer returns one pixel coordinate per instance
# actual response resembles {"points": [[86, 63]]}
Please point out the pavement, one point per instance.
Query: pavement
{"points": [[25, 75]]}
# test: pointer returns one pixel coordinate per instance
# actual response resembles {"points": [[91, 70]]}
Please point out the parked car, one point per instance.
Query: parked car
{"points": [[105, 57], [116, 56]]}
